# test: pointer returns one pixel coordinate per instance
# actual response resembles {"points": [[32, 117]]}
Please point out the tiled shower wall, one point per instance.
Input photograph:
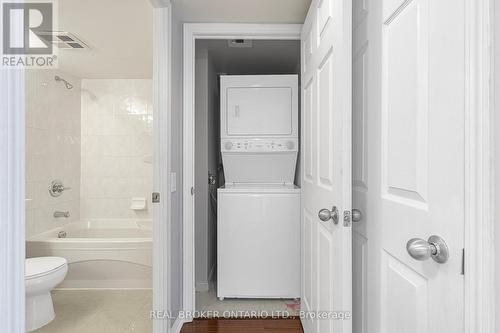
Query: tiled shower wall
{"points": [[53, 123], [117, 125], [96, 138]]}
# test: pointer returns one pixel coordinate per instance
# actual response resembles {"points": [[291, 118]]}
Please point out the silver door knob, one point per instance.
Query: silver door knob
{"points": [[435, 247], [326, 215], [356, 215]]}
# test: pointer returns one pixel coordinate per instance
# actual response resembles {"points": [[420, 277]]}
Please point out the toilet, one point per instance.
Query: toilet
{"points": [[42, 274]]}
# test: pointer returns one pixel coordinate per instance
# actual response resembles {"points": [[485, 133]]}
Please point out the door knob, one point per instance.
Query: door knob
{"points": [[435, 247], [356, 215], [326, 215]]}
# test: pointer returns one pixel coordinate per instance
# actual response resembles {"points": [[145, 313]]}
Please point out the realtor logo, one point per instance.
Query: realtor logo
{"points": [[33, 18], [25, 24]]}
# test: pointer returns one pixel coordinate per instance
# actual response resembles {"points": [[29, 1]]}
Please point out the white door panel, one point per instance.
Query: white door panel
{"points": [[326, 275], [405, 298], [308, 269], [408, 155], [359, 287], [326, 164], [406, 105], [360, 165]]}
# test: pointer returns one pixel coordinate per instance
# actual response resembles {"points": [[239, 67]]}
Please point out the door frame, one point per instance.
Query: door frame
{"points": [[162, 110], [12, 202], [192, 32], [479, 168]]}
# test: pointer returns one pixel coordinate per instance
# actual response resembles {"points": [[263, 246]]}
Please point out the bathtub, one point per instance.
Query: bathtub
{"points": [[102, 253]]}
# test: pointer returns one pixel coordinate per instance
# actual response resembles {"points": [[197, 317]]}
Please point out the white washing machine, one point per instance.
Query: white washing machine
{"points": [[258, 244], [258, 219]]}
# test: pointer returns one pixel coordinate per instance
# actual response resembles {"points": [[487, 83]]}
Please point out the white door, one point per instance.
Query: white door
{"points": [[408, 163], [326, 166]]}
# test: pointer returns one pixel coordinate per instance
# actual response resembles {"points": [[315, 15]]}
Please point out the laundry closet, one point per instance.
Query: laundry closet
{"points": [[247, 188]]}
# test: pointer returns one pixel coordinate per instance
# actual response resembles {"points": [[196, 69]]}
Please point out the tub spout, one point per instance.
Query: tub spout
{"points": [[61, 214]]}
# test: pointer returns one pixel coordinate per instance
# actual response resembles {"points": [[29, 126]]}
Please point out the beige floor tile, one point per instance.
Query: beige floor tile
{"points": [[141, 326], [96, 311], [107, 321]]}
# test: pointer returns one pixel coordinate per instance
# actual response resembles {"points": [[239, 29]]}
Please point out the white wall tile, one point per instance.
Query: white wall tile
{"points": [[53, 148], [116, 136], [94, 138]]}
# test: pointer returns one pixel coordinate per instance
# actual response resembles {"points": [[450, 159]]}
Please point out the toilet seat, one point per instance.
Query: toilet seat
{"points": [[41, 266]]}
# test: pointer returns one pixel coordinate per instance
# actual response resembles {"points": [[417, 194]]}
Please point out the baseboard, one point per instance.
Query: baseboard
{"points": [[177, 326]]}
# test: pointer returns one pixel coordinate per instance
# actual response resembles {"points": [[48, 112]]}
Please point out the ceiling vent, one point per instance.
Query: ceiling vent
{"points": [[62, 39], [239, 43]]}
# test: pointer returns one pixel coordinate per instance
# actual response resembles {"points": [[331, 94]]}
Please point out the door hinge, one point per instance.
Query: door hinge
{"points": [[192, 190], [347, 218], [155, 197], [463, 262]]}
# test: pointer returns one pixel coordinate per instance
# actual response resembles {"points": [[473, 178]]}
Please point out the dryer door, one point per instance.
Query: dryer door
{"points": [[259, 111], [259, 106]]}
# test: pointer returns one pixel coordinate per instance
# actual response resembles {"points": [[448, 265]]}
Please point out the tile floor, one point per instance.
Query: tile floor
{"points": [[127, 311], [100, 311], [208, 301]]}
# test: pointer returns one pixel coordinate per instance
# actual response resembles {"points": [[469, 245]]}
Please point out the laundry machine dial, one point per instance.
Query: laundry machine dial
{"points": [[290, 145], [229, 145]]}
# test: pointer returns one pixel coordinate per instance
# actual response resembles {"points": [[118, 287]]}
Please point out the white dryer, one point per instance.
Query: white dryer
{"points": [[258, 220]]}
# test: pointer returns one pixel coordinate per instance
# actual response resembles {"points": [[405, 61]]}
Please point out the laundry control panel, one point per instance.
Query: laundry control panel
{"points": [[259, 145]]}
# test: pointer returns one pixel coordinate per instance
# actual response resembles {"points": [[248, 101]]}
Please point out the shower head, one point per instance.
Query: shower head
{"points": [[66, 83]]}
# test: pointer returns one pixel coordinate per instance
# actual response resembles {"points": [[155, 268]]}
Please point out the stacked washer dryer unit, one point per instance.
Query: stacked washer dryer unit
{"points": [[258, 227]]}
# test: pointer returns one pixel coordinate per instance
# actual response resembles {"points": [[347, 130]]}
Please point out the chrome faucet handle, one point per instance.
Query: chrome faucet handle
{"points": [[62, 214], [56, 188]]}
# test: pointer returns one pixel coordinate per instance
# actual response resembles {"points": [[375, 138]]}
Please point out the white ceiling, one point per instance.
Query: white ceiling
{"points": [[118, 32], [242, 11], [264, 57]]}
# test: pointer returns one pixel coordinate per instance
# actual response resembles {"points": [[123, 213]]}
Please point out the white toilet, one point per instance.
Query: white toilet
{"points": [[42, 274]]}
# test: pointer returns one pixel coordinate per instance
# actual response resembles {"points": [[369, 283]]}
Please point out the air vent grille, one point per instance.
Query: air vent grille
{"points": [[63, 39], [239, 43]]}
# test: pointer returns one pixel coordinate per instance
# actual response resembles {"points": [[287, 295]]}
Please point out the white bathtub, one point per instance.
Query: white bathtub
{"points": [[104, 253]]}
